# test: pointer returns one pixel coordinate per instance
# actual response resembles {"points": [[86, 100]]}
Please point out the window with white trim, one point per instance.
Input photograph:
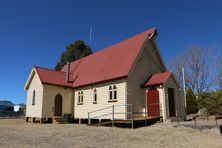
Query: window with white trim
{"points": [[94, 96], [33, 97], [112, 93], [80, 98]]}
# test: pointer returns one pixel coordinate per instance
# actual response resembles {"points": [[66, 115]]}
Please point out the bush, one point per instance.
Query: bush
{"points": [[212, 101]]}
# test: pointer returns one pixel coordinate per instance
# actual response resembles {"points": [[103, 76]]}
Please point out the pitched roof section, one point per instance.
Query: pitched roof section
{"points": [[110, 63], [48, 76], [157, 79]]}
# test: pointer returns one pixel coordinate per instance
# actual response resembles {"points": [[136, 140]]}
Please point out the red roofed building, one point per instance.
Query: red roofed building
{"points": [[129, 76]]}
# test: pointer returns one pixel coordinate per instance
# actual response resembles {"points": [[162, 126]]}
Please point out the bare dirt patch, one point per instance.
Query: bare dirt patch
{"points": [[17, 133]]}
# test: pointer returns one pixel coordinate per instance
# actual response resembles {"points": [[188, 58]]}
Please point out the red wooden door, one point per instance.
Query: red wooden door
{"points": [[58, 105], [153, 107]]}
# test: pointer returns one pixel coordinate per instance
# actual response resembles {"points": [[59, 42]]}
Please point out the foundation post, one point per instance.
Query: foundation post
{"points": [[27, 119], [42, 120], [33, 119]]}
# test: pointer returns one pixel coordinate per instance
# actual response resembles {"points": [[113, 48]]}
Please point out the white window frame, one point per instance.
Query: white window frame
{"points": [[110, 93], [95, 96], [80, 98], [33, 97], [115, 92], [112, 90]]}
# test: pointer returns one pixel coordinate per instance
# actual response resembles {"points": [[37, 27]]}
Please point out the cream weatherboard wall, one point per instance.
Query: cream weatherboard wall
{"points": [[178, 98], [146, 65], [81, 111], [49, 95], [36, 109]]}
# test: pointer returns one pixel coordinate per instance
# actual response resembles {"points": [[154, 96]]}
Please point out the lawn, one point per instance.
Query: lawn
{"points": [[18, 133]]}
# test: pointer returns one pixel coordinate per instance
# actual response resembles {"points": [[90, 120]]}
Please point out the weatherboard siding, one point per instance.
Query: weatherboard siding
{"points": [[161, 99], [34, 110], [145, 66], [81, 111], [50, 93], [178, 98]]}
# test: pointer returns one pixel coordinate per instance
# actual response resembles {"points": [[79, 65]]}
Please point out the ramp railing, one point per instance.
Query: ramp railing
{"points": [[129, 112]]}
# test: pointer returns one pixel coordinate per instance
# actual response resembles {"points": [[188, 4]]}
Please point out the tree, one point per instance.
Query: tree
{"points": [[192, 106], [73, 52], [219, 74], [212, 101], [199, 72]]}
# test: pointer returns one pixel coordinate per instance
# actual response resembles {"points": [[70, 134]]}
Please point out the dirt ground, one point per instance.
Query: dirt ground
{"points": [[17, 133]]}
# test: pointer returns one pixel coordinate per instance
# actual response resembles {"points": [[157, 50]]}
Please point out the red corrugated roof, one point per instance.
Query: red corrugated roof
{"points": [[110, 63], [48, 76], [157, 79]]}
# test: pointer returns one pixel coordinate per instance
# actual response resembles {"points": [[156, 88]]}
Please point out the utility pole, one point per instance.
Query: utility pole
{"points": [[184, 91], [184, 87]]}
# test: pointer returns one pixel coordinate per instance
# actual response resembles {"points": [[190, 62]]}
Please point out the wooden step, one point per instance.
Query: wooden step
{"points": [[58, 119]]}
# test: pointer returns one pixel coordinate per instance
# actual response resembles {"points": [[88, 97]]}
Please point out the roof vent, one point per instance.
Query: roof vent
{"points": [[67, 71]]}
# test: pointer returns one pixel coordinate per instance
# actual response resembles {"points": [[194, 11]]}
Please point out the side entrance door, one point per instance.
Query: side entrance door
{"points": [[58, 105], [171, 99], [153, 107]]}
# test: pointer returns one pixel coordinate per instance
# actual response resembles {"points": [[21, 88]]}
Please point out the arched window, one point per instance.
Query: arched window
{"points": [[81, 96], [114, 92], [95, 96], [110, 93], [33, 97]]}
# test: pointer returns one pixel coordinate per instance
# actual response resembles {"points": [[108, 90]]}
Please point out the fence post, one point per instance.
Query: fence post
{"points": [[89, 122], [132, 115], [113, 116], [145, 114]]}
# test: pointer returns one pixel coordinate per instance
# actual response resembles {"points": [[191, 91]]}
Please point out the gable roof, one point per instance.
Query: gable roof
{"points": [[53, 77], [110, 63], [157, 79]]}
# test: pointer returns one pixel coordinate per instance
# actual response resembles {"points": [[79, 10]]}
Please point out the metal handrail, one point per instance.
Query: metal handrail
{"points": [[100, 109], [102, 115], [132, 112]]}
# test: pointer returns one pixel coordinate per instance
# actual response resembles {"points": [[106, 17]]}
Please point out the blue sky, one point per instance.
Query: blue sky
{"points": [[35, 32]]}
